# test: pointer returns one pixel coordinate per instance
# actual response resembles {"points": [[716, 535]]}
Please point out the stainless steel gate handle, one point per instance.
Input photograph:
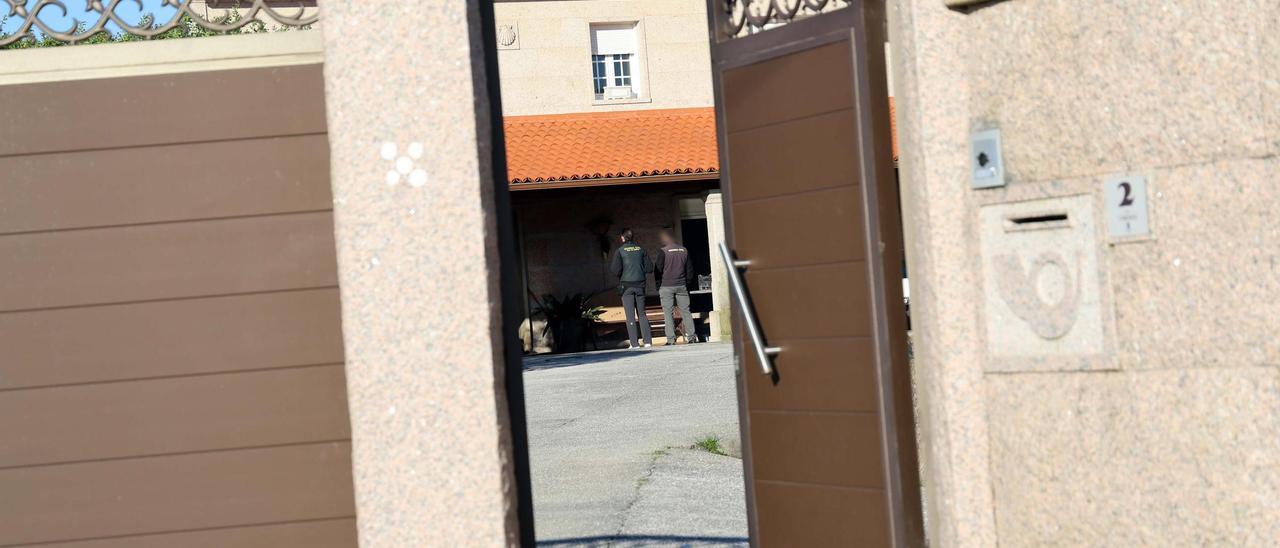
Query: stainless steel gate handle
{"points": [[763, 353]]}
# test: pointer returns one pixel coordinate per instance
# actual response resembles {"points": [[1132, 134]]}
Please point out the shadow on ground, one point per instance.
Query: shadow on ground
{"points": [[633, 541], [554, 361]]}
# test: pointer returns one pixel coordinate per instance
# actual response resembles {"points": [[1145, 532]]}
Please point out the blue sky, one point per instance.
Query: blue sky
{"points": [[52, 15]]}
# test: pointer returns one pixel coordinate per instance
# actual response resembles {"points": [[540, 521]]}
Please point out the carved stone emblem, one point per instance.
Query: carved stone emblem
{"points": [[508, 36], [1049, 316], [1044, 306]]}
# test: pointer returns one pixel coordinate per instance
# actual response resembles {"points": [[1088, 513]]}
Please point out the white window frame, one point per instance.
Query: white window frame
{"points": [[637, 68], [612, 70]]}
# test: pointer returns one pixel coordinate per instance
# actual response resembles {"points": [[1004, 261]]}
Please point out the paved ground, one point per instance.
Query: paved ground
{"points": [[610, 436]]}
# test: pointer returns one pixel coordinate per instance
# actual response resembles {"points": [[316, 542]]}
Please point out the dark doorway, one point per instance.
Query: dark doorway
{"points": [[694, 232]]}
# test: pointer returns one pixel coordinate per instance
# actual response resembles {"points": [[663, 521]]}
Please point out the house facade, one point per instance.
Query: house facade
{"points": [[609, 123]]}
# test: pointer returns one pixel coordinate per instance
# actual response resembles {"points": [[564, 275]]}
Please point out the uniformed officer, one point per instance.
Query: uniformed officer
{"points": [[632, 267], [673, 271]]}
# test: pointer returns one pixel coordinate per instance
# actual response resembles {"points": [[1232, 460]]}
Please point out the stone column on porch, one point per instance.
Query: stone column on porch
{"points": [[720, 320]]}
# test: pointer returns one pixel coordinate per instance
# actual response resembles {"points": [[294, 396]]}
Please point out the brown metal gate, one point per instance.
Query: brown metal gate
{"points": [[812, 217], [170, 345]]}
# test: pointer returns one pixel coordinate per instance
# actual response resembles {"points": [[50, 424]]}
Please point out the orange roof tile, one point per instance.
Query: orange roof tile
{"points": [[599, 145], [893, 126]]}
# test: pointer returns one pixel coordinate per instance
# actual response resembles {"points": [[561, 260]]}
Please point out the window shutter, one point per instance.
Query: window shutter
{"points": [[613, 39]]}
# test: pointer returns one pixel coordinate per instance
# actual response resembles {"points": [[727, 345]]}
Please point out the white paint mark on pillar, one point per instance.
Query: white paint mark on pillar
{"points": [[404, 167], [418, 178], [388, 151]]}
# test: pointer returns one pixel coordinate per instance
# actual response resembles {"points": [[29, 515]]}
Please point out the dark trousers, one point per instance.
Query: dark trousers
{"points": [[672, 297], [633, 306]]}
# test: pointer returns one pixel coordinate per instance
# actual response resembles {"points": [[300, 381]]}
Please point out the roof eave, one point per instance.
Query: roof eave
{"points": [[616, 181]]}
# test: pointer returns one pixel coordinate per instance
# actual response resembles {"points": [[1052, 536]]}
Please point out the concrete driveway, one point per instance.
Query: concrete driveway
{"points": [[611, 438]]}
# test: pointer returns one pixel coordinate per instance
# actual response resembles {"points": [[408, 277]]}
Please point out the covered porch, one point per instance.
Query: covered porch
{"points": [[578, 179]]}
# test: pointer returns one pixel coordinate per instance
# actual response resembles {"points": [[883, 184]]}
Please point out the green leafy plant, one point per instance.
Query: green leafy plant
{"points": [[710, 444], [576, 305], [569, 319]]}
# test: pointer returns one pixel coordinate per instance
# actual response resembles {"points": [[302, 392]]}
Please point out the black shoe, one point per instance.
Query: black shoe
{"points": [[670, 343]]}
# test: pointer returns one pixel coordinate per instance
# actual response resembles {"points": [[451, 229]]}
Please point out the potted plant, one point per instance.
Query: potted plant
{"points": [[569, 318]]}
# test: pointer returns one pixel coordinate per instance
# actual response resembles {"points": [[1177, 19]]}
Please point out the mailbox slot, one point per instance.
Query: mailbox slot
{"points": [[1037, 221]]}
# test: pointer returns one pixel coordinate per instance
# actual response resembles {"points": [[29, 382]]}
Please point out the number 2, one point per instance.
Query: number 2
{"points": [[1127, 200]]}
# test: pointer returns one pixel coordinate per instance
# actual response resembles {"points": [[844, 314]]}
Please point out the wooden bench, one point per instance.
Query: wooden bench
{"points": [[613, 322]]}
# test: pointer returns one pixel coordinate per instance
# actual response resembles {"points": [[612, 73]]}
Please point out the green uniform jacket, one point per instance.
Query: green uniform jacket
{"points": [[631, 265]]}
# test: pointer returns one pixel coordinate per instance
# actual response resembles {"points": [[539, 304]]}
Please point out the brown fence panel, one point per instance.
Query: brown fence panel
{"points": [[170, 344]]}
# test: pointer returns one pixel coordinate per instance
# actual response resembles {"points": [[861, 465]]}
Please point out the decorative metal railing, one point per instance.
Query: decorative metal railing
{"points": [[745, 17], [241, 15]]}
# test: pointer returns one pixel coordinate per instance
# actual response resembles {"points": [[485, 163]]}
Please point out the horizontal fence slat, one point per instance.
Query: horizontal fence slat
{"points": [[789, 514], [827, 213], [812, 301], [822, 375], [161, 109], [164, 183], [176, 415], [840, 449], [167, 338], [788, 87], [202, 258], [333, 533], [175, 493], [795, 156]]}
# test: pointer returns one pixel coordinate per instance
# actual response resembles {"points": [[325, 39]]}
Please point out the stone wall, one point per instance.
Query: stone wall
{"points": [[1170, 434], [547, 70]]}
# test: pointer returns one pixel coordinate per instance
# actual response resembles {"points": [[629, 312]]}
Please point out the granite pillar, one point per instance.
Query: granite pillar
{"points": [[721, 319], [1163, 429], [414, 207]]}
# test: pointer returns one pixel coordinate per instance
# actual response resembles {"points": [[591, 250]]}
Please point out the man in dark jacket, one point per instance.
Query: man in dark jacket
{"points": [[673, 272], [632, 267]]}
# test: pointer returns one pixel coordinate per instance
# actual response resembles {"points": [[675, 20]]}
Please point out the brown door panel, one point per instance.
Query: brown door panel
{"points": [[806, 148], [788, 87], [814, 516], [801, 229], [200, 258], [827, 448], [812, 301], [816, 375], [175, 493], [173, 415], [171, 358], [99, 188], [161, 109], [332, 533], [795, 156], [167, 338]]}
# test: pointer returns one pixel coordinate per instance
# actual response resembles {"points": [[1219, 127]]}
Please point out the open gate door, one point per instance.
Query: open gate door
{"points": [[813, 225]]}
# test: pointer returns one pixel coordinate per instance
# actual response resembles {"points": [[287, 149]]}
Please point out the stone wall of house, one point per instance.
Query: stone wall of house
{"points": [[562, 255], [1160, 427], [546, 69]]}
